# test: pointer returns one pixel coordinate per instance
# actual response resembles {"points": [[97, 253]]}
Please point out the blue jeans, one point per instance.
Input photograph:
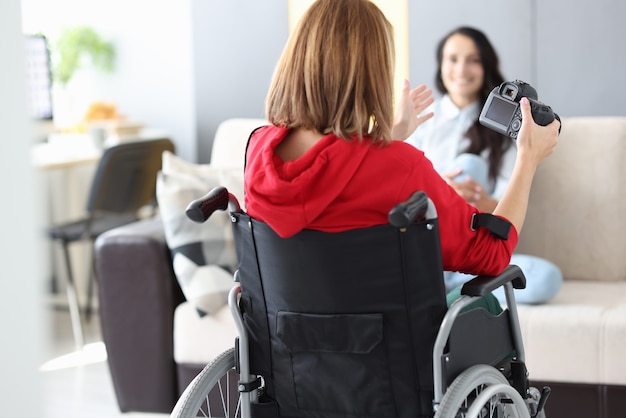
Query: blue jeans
{"points": [[543, 278]]}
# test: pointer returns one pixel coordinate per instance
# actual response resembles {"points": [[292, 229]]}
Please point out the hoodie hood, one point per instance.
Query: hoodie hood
{"points": [[290, 195]]}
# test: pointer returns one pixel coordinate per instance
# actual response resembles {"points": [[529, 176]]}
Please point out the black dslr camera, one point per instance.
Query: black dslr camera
{"points": [[502, 112]]}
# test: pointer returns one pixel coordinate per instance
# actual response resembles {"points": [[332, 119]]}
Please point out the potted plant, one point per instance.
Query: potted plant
{"points": [[74, 45], [75, 48]]}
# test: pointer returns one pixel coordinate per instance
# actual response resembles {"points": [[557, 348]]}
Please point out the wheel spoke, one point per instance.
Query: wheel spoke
{"points": [[481, 391], [199, 399]]}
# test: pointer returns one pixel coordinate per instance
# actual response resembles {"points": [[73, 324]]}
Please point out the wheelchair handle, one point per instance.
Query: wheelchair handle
{"points": [[217, 199], [417, 206]]}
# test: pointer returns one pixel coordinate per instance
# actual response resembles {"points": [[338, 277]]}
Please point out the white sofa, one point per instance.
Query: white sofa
{"points": [[574, 343]]}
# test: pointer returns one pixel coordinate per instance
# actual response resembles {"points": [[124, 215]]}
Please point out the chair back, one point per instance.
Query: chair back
{"points": [[125, 179], [342, 324]]}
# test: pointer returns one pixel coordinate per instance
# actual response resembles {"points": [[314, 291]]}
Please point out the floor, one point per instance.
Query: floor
{"points": [[77, 383]]}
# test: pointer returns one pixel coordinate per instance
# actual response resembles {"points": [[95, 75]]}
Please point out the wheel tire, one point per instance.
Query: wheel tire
{"points": [[195, 402], [467, 387]]}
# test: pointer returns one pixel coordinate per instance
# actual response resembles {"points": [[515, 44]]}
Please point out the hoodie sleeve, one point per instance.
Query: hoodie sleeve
{"points": [[463, 249]]}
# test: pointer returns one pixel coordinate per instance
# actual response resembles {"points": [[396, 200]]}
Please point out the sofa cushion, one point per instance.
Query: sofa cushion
{"points": [[577, 203], [579, 336], [203, 254], [198, 340]]}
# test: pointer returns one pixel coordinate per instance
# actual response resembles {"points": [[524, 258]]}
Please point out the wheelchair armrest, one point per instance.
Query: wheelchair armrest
{"points": [[483, 285]]}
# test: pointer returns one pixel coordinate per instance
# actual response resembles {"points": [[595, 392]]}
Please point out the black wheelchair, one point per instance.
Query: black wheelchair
{"points": [[355, 324]]}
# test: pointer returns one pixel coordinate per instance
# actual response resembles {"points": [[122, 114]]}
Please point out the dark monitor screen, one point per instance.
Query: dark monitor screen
{"points": [[501, 111], [38, 77]]}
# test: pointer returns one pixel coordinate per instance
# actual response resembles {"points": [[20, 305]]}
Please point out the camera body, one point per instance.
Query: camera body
{"points": [[502, 112]]}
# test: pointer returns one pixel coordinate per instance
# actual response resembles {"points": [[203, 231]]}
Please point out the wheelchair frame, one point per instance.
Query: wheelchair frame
{"points": [[516, 398]]}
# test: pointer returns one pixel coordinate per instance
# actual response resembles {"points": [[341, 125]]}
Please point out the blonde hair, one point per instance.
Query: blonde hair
{"points": [[336, 72]]}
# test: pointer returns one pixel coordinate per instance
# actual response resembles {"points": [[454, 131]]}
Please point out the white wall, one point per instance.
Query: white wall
{"points": [[236, 46], [581, 55], [183, 66], [20, 255], [153, 80]]}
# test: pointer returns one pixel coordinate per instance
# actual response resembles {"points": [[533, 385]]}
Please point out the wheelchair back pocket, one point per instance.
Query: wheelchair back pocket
{"points": [[338, 363]]}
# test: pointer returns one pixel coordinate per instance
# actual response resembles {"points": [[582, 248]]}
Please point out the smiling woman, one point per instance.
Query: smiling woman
{"points": [[396, 11]]}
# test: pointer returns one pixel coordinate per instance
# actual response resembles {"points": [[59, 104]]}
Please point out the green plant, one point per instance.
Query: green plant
{"points": [[73, 44]]}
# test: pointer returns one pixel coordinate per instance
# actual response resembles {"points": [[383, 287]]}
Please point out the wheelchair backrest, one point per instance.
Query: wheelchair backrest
{"points": [[342, 324]]}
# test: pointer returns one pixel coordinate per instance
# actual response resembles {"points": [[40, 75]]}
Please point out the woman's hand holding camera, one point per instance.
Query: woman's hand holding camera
{"points": [[535, 142]]}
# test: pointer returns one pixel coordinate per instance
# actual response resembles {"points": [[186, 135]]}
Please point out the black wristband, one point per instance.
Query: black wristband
{"points": [[498, 227]]}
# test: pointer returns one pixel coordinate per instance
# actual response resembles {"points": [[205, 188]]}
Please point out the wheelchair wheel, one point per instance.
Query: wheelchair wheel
{"points": [[213, 393], [481, 391]]}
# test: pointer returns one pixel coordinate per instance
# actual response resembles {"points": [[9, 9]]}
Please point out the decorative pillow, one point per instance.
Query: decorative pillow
{"points": [[203, 254]]}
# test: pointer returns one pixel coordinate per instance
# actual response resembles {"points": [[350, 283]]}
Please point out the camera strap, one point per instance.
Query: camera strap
{"points": [[498, 227]]}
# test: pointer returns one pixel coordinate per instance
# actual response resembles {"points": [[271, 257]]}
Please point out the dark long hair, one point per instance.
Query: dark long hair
{"points": [[480, 137]]}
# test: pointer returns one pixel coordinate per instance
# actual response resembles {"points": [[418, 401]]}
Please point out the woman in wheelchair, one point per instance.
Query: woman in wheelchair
{"points": [[334, 157], [328, 340]]}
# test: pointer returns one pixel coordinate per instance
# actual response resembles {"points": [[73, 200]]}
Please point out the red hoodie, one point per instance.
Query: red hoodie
{"points": [[339, 185]]}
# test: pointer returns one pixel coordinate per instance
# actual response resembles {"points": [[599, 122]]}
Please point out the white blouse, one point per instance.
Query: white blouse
{"points": [[442, 138]]}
